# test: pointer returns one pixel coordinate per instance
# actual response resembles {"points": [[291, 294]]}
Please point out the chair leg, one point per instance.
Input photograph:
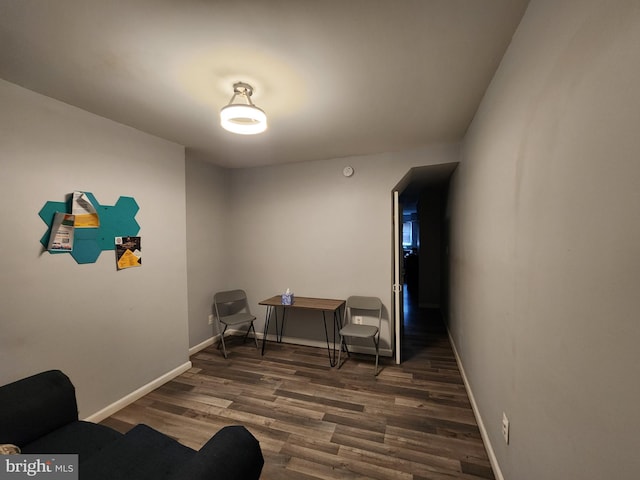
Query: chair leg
{"points": [[340, 351], [255, 337], [375, 373], [224, 349], [346, 349], [246, 334]]}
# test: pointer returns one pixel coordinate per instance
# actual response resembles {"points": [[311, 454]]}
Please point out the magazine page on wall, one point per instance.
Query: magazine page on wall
{"points": [[128, 252]]}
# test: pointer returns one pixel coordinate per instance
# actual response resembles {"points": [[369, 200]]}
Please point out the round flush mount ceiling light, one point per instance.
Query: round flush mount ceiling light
{"points": [[241, 115]]}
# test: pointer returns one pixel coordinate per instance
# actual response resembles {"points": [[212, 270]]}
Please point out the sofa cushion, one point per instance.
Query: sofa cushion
{"points": [[36, 405], [141, 454], [231, 454], [84, 438]]}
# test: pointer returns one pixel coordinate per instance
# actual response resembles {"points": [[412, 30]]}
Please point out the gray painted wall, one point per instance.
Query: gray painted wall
{"points": [[111, 332], [209, 241], [546, 245], [431, 214]]}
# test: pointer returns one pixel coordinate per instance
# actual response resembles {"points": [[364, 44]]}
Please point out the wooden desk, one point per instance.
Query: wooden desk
{"points": [[324, 305]]}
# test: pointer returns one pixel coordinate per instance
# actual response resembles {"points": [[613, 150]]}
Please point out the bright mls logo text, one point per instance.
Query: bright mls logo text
{"points": [[36, 466], [30, 468]]}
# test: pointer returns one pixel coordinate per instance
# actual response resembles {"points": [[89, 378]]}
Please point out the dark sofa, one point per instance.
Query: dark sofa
{"points": [[39, 414]]}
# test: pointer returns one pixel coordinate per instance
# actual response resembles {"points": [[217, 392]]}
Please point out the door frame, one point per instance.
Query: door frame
{"points": [[398, 300], [416, 178]]}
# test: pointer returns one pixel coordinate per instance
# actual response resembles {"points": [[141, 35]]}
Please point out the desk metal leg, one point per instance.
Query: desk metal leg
{"points": [[272, 310], [266, 327], [279, 337], [326, 335], [337, 325]]}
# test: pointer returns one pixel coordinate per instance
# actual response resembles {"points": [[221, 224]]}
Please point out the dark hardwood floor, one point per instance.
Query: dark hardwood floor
{"points": [[413, 421]]}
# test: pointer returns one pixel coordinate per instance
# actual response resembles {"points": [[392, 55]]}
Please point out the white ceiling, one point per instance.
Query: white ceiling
{"points": [[336, 77]]}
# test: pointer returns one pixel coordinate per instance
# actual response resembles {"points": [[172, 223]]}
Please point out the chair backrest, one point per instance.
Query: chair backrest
{"points": [[364, 305], [229, 302]]}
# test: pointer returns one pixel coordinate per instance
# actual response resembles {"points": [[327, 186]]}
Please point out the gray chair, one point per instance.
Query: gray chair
{"points": [[363, 306], [231, 310]]}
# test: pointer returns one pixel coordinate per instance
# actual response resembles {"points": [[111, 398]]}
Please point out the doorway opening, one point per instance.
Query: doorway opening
{"points": [[423, 223]]}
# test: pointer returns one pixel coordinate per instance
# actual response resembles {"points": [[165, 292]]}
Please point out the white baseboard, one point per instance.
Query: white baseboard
{"points": [[201, 346], [137, 394], [384, 352], [474, 406]]}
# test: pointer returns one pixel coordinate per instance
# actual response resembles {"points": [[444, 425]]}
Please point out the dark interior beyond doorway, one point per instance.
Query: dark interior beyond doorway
{"points": [[422, 327], [425, 263]]}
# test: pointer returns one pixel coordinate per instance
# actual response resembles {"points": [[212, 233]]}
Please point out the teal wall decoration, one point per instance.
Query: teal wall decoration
{"points": [[115, 221]]}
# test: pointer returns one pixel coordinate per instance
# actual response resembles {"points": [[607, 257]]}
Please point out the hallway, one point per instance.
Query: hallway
{"points": [[424, 330]]}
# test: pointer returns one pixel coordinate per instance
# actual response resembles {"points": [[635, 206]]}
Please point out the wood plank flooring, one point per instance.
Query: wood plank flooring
{"points": [[413, 421]]}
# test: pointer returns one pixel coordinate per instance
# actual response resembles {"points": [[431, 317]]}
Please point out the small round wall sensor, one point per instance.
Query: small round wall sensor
{"points": [[347, 171]]}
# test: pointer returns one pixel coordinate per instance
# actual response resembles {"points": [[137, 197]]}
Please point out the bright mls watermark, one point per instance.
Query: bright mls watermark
{"points": [[50, 467]]}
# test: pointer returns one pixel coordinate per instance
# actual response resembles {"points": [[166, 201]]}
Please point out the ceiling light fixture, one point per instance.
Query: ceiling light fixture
{"points": [[243, 118]]}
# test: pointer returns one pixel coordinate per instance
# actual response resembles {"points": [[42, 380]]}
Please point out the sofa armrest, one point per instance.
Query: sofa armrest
{"points": [[35, 406], [231, 454]]}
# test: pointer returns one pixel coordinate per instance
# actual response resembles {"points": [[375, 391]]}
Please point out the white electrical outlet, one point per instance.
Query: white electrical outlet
{"points": [[357, 319], [505, 428], [211, 319]]}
